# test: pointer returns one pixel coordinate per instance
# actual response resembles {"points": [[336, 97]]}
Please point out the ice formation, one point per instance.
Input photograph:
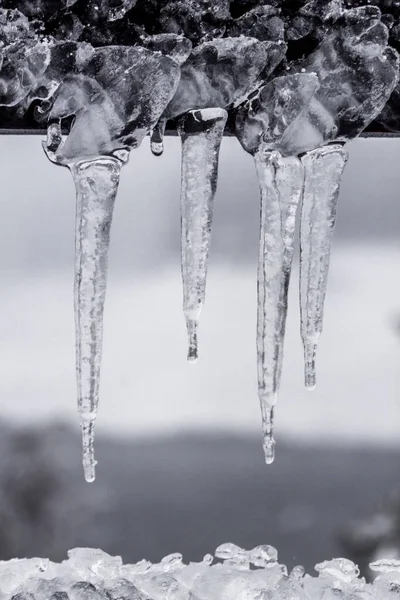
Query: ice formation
{"points": [[237, 573], [201, 133], [294, 80], [109, 121], [216, 75], [298, 114]]}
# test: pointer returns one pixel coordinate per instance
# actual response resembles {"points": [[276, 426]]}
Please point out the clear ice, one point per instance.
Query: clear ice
{"points": [[108, 123], [327, 98], [201, 133], [223, 72], [236, 573], [281, 182], [323, 170], [96, 185]]}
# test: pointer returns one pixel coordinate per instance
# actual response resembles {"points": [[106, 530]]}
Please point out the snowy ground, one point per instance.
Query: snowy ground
{"points": [[147, 387]]}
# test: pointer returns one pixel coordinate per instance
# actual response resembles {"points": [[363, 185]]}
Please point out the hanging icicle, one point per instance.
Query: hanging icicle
{"points": [[96, 185], [201, 133], [281, 181], [323, 170], [96, 182]]}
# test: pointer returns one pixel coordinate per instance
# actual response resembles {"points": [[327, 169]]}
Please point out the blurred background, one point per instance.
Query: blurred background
{"points": [[179, 446]]}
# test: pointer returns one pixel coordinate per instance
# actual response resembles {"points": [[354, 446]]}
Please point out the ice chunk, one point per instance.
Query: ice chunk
{"points": [[224, 72], [357, 72], [174, 46], [198, 20], [323, 174], [23, 57], [262, 22], [94, 575], [201, 133], [116, 101], [270, 115]]}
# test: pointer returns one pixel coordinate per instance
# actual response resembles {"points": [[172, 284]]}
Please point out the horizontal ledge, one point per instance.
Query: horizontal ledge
{"points": [[174, 133]]}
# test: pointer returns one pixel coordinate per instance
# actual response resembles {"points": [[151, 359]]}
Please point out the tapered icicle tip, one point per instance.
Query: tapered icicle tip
{"points": [[193, 351], [157, 138], [88, 460], [310, 351], [268, 431]]}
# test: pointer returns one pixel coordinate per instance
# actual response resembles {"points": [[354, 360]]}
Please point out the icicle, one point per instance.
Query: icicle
{"points": [[201, 133], [281, 183], [323, 173], [96, 183], [157, 138]]}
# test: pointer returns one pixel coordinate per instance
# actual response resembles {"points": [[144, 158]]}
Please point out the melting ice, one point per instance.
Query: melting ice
{"points": [[236, 573]]}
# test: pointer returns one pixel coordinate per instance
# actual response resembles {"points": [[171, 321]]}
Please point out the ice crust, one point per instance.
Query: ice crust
{"points": [[42, 53], [90, 574]]}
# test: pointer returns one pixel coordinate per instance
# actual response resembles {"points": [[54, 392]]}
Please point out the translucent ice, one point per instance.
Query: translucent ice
{"points": [[281, 182], [93, 574], [116, 101], [332, 95], [261, 125], [262, 22], [357, 72], [323, 174], [201, 133], [224, 72], [23, 57], [269, 117], [174, 46]]}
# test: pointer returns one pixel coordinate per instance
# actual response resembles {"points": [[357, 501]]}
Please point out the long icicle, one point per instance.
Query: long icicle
{"points": [[281, 183], [323, 174], [96, 185], [201, 132]]}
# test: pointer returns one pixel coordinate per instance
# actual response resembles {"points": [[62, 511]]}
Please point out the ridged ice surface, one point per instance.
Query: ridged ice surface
{"points": [[281, 183], [116, 99], [224, 72], [90, 574], [96, 185], [323, 170], [201, 132]]}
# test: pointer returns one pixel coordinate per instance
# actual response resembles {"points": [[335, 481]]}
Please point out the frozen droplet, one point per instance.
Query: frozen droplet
{"points": [[201, 134], [157, 138], [323, 170], [281, 182]]}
